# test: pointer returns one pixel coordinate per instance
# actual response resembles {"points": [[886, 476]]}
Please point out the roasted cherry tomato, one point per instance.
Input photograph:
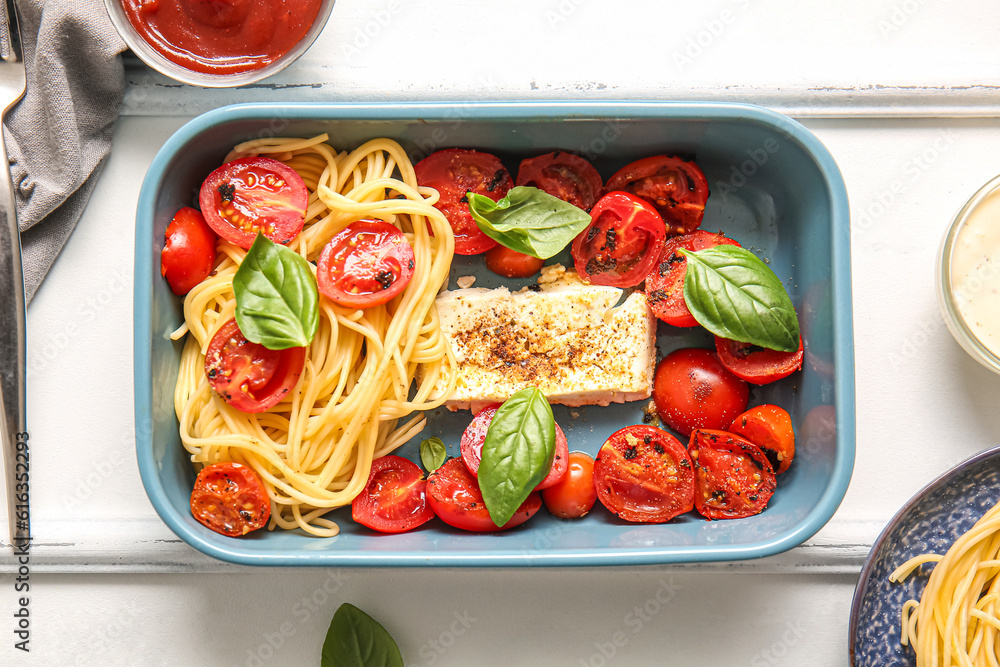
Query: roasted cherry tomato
{"points": [[665, 283], [254, 194], [564, 175], [230, 499], [248, 376], [508, 263], [365, 264], [758, 365], [189, 251], [475, 435], [677, 188], [733, 478], [395, 498], [455, 172], [644, 474], [770, 428], [621, 243], [454, 495], [692, 389], [574, 495]]}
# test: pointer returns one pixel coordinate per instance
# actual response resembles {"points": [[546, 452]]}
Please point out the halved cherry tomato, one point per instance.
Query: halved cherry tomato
{"points": [[574, 495], [758, 365], [475, 435], [254, 194], [665, 283], [508, 263], [454, 495], [230, 499], [733, 478], [676, 187], [564, 175], [453, 173], [692, 389], [770, 428], [622, 242], [395, 498], [365, 264], [643, 474], [188, 254], [248, 376]]}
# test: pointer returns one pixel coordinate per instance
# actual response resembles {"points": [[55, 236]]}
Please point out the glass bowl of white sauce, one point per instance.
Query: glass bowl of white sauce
{"points": [[968, 276]]}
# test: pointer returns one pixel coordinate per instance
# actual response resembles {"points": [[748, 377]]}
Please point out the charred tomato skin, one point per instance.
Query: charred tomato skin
{"points": [[733, 478], [665, 283], [676, 187], [454, 172], [622, 242], [643, 474], [230, 499], [564, 175]]}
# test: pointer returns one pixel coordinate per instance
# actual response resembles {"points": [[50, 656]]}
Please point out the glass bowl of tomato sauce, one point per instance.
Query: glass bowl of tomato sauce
{"points": [[219, 44]]}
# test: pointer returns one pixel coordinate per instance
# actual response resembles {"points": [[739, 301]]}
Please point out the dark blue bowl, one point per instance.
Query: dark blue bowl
{"points": [[929, 523], [775, 188]]}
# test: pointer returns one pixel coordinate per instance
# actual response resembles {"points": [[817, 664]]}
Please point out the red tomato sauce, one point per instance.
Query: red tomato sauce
{"points": [[222, 36]]}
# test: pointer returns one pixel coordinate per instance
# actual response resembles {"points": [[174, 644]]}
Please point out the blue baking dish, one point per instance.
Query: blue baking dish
{"points": [[774, 187]]}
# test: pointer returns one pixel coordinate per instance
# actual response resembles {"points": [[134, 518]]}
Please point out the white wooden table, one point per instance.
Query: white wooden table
{"points": [[905, 94]]}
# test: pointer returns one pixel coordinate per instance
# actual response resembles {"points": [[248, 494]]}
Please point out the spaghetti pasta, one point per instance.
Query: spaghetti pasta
{"points": [[957, 620], [365, 370]]}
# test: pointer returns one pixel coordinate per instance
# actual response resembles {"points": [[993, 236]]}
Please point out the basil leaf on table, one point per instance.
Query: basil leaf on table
{"points": [[528, 220], [276, 296], [517, 454], [433, 453], [355, 639], [733, 294]]}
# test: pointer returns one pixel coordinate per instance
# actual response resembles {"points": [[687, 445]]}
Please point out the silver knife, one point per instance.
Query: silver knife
{"points": [[13, 430]]}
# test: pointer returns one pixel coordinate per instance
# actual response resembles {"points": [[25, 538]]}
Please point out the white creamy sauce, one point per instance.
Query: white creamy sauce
{"points": [[975, 271]]}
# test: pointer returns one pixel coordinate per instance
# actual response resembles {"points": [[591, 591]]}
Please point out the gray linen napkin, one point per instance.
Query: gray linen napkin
{"points": [[60, 133]]}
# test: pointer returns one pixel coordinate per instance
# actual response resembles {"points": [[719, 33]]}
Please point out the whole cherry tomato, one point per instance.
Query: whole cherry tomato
{"points": [[692, 389], [508, 263], [574, 495], [188, 254]]}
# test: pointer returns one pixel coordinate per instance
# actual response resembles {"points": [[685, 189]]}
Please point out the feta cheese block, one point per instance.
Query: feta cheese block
{"points": [[564, 336]]}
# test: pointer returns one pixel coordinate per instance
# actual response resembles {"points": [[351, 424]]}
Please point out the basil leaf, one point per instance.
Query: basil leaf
{"points": [[528, 220], [355, 639], [276, 296], [517, 454], [733, 294], [433, 453]]}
